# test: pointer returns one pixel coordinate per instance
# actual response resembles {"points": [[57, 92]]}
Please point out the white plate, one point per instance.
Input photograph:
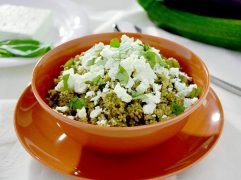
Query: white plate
{"points": [[69, 21]]}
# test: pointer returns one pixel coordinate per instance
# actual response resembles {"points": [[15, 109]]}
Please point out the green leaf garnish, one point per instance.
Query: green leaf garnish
{"points": [[98, 80], [153, 59], [115, 43], [137, 95], [196, 92], [162, 63], [76, 103], [20, 42], [69, 63], [91, 62], [183, 79], [146, 47], [65, 81], [122, 76], [23, 48], [177, 109]]}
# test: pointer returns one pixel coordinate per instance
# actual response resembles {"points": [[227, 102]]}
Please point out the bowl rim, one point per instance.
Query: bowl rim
{"points": [[79, 124]]}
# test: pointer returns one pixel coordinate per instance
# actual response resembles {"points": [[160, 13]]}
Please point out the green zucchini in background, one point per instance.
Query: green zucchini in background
{"points": [[216, 31], [230, 9]]}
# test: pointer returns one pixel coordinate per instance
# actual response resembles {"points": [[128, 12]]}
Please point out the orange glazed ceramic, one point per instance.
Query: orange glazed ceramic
{"points": [[48, 143], [117, 139]]}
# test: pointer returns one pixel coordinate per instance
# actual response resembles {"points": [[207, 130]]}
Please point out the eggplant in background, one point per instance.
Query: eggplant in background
{"points": [[230, 9]]}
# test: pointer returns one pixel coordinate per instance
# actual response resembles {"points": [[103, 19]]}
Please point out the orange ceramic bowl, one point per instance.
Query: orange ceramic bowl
{"points": [[117, 139]]}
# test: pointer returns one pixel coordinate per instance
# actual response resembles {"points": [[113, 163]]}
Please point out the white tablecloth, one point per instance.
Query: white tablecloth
{"points": [[222, 163]]}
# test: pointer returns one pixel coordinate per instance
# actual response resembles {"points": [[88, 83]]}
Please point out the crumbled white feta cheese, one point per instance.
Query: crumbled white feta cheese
{"points": [[106, 88], [97, 97], [59, 86], [70, 117], [142, 87], [107, 52], [71, 82], [180, 86], [149, 108], [174, 72], [99, 46], [164, 116], [189, 101], [122, 93], [81, 113], [156, 88], [130, 83], [89, 94], [62, 109], [95, 112], [152, 98], [126, 39], [69, 71], [144, 72], [79, 85], [102, 122], [186, 91], [161, 70]]}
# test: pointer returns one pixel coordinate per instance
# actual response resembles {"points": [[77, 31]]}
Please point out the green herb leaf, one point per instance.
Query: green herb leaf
{"points": [[20, 42], [146, 47], [196, 92], [183, 79], [22, 48], [115, 43], [177, 109], [91, 62], [69, 63], [138, 95], [151, 58], [98, 80], [89, 82], [122, 76], [162, 63], [4, 53], [65, 81], [76, 103]]}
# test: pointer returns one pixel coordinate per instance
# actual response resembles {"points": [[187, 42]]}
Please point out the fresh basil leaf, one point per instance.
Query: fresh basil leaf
{"points": [[122, 76], [151, 58], [77, 103], [196, 92], [98, 80], [162, 63], [138, 95], [146, 47], [89, 82], [65, 81], [177, 109], [115, 43], [69, 63], [23, 48], [4, 53], [20, 42], [183, 79]]}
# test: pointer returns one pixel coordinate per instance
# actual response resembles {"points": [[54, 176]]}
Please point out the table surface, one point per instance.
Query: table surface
{"points": [[222, 163]]}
